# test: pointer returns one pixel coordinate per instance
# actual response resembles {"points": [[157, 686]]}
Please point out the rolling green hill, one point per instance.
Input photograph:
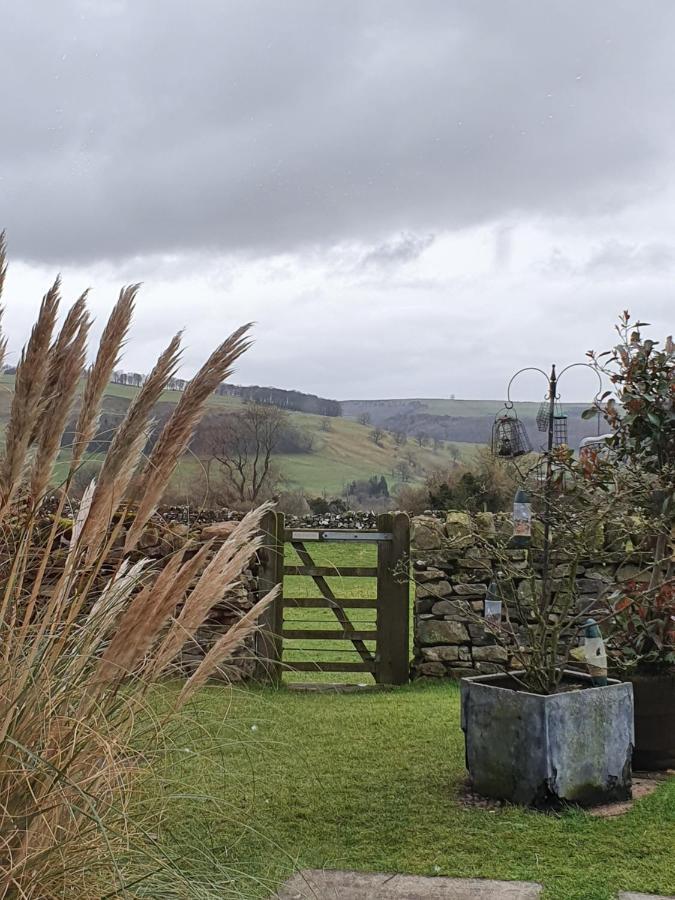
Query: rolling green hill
{"points": [[381, 409], [347, 453], [461, 420], [343, 454]]}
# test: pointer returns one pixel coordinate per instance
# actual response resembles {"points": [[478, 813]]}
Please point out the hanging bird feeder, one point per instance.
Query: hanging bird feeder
{"points": [[553, 418], [543, 416], [509, 437], [559, 430]]}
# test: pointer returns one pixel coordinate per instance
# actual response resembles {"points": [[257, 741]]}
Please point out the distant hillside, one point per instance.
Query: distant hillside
{"points": [[291, 400], [459, 421], [343, 450], [284, 399]]}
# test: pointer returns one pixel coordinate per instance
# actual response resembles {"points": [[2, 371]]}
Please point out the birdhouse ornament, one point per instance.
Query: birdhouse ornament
{"points": [[592, 652]]}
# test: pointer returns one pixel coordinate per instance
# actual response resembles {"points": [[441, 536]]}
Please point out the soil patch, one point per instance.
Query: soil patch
{"points": [[644, 784]]}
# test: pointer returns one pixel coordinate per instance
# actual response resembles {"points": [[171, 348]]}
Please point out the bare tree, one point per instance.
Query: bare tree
{"points": [[402, 469], [422, 439], [410, 458], [364, 419], [244, 444], [400, 438], [377, 436]]}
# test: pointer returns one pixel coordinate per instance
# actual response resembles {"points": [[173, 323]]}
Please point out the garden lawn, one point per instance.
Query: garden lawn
{"points": [[329, 554], [271, 781]]}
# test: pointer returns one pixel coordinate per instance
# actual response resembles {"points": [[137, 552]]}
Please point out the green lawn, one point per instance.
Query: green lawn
{"points": [[329, 554], [270, 781]]}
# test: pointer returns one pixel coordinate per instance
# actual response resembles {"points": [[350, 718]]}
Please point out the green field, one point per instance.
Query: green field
{"points": [[216, 401], [341, 455], [269, 781], [329, 554], [266, 782], [345, 453], [490, 408]]}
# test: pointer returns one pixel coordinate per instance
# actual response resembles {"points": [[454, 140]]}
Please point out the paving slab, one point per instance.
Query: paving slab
{"points": [[330, 687], [627, 895], [317, 884]]}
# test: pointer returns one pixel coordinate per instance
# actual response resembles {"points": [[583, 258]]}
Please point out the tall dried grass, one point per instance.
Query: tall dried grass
{"points": [[79, 651]]}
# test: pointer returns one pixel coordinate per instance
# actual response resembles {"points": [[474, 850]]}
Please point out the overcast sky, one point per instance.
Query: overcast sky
{"points": [[410, 198]]}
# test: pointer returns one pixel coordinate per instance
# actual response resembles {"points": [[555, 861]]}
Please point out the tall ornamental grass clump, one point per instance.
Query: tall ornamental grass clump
{"points": [[79, 650]]}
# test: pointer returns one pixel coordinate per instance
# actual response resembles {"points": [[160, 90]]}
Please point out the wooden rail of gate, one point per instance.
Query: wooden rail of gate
{"points": [[388, 663]]}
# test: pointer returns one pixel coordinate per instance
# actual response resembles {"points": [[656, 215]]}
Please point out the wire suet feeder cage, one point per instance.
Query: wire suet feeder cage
{"points": [[552, 415], [509, 436]]}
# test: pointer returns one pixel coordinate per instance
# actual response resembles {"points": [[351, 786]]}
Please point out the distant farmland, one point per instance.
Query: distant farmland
{"points": [[342, 454], [461, 421]]}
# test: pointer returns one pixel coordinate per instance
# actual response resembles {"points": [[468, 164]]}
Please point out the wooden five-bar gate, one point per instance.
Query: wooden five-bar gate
{"points": [[388, 662]]}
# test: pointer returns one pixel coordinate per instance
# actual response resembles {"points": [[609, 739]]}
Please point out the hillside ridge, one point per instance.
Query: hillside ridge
{"points": [[460, 421]]}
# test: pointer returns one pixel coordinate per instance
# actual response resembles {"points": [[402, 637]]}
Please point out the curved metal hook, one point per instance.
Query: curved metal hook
{"points": [[509, 401], [596, 399], [587, 366]]}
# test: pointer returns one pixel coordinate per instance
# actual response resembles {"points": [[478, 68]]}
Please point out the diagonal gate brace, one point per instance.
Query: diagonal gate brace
{"points": [[334, 604]]}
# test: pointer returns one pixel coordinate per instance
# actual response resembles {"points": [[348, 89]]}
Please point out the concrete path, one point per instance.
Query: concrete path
{"points": [[314, 884], [626, 895]]}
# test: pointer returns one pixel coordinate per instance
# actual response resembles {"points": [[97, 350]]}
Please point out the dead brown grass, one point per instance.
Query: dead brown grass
{"points": [[78, 655]]}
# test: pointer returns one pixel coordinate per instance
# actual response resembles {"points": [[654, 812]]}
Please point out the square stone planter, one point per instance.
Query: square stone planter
{"points": [[546, 751]]}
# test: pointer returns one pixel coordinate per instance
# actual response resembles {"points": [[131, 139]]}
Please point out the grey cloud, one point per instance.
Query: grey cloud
{"points": [[614, 259], [620, 259], [254, 127], [558, 265], [403, 249]]}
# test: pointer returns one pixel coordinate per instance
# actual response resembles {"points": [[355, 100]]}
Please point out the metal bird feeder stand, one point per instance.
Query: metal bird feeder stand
{"points": [[510, 440]]}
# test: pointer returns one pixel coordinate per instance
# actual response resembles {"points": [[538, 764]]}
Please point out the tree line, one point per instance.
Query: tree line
{"points": [[270, 396], [283, 399]]}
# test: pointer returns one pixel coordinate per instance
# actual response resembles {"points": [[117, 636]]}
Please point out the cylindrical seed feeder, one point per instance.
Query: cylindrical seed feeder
{"points": [[509, 437], [559, 430], [556, 417]]}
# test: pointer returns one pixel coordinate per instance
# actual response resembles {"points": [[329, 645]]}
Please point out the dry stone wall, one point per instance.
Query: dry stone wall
{"points": [[167, 533], [452, 566]]}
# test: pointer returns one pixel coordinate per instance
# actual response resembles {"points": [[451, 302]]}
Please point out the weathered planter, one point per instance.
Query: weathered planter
{"points": [[546, 751], [654, 698]]}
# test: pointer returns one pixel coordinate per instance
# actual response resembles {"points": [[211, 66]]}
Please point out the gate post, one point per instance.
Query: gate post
{"points": [[393, 600], [270, 574]]}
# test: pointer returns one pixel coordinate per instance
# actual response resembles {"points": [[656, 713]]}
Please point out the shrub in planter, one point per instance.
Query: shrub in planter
{"points": [[643, 641], [538, 734], [640, 467]]}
